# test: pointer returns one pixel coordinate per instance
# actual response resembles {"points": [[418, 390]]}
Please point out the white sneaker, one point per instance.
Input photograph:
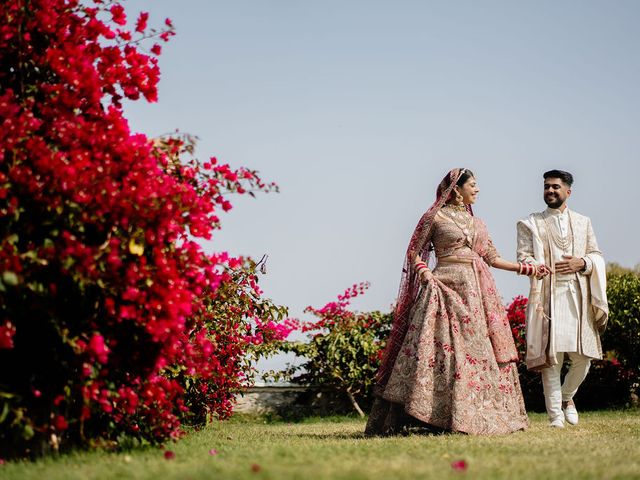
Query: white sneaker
{"points": [[571, 414], [557, 423]]}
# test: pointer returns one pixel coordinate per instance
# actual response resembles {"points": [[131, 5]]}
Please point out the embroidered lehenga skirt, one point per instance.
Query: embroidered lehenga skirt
{"points": [[446, 374]]}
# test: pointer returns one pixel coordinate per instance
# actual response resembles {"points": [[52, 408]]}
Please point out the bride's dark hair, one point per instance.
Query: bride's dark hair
{"points": [[466, 175]]}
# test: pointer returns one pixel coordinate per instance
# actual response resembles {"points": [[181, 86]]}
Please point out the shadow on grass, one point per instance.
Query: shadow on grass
{"points": [[424, 431], [275, 418], [330, 436]]}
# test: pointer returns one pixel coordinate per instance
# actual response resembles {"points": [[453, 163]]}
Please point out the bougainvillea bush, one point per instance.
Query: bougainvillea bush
{"points": [[344, 348], [236, 327], [108, 311]]}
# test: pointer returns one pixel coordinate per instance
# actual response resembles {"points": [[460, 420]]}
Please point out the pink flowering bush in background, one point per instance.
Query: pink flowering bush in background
{"points": [[112, 317], [343, 351]]}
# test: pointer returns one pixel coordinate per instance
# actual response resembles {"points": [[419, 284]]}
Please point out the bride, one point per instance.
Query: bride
{"points": [[450, 360]]}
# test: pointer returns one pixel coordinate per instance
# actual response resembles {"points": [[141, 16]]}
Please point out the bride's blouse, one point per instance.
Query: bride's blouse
{"points": [[454, 238]]}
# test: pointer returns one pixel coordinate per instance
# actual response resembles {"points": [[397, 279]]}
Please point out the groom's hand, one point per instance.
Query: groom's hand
{"points": [[569, 265]]}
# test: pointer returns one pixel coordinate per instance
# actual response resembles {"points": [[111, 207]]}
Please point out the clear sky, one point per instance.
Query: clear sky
{"points": [[357, 109]]}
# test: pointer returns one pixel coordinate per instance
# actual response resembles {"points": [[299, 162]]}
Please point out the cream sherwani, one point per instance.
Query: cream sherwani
{"points": [[566, 313]]}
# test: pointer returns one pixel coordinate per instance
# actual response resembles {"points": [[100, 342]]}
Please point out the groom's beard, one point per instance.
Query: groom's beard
{"points": [[553, 202]]}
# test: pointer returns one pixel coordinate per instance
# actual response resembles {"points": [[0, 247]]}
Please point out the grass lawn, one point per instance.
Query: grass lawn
{"points": [[606, 445]]}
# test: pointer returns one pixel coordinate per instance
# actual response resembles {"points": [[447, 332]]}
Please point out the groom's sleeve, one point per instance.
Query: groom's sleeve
{"points": [[525, 244], [592, 249]]}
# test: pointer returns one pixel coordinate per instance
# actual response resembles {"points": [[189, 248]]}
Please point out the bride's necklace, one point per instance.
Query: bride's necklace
{"points": [[456, 208], [455, 212]]}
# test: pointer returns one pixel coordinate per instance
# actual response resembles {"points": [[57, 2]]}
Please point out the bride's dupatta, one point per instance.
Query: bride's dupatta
{"points": [[419, 244], [387, 416]]}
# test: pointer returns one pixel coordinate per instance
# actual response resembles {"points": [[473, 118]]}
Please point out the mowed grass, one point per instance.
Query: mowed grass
{"points": [[605, 445]]}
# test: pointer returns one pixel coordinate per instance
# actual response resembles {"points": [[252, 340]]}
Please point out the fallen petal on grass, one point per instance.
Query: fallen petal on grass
{"points": [[459, 465], [169, 455]]}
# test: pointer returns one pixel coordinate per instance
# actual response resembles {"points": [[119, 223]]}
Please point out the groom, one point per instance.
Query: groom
{"points": [[567, 311]]}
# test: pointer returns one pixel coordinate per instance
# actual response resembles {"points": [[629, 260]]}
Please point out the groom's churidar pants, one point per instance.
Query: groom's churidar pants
{"points": [[567, 308], [556, 393]]}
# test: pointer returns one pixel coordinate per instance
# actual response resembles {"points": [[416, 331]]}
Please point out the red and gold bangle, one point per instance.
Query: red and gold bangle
{"points": [[527, 269]]}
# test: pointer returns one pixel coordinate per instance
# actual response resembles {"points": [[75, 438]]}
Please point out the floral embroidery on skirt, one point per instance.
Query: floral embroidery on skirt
{"points": [[446, 373]]}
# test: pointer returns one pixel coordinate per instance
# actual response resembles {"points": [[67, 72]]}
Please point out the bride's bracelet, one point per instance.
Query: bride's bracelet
{"points": [[420, 266], [527, 269]]}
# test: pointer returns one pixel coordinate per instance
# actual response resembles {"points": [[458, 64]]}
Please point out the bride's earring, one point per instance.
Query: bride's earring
{"points": [[459, 197]]}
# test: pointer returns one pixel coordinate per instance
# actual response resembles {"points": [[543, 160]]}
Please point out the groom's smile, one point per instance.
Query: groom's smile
{"points": [[556, 192]]}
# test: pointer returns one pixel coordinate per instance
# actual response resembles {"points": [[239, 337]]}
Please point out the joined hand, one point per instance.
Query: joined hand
{"points": [[542, 271]]}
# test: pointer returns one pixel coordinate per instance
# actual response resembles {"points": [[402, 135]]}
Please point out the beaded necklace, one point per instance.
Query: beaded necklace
{"points": [[455, 212], [561, 242]]}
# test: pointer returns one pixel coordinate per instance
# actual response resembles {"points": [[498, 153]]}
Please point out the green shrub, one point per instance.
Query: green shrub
{"points": [[344, 350], [623, 331]]}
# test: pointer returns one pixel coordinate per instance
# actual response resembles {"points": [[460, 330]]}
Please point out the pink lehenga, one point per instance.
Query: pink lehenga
{"points": [[450, 359]]}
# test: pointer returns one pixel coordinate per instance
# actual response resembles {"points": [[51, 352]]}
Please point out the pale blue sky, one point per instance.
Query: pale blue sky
{"points": [[358, 108]]}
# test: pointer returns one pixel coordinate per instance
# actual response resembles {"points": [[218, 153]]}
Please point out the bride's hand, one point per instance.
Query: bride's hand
{"points": [[542, 271], [425, 275]]}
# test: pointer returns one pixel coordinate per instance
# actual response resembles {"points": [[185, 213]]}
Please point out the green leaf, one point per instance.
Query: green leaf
{"points": [[9, 278], [5, 412], [27, 432]]}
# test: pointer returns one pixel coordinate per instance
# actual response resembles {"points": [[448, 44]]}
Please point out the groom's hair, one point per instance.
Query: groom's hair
{"points": [[566, 177]]}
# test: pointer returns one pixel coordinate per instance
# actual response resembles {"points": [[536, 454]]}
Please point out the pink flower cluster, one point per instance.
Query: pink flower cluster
{"points": [[7, 331], [270, 331], [516, 314], [338, 311]]}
